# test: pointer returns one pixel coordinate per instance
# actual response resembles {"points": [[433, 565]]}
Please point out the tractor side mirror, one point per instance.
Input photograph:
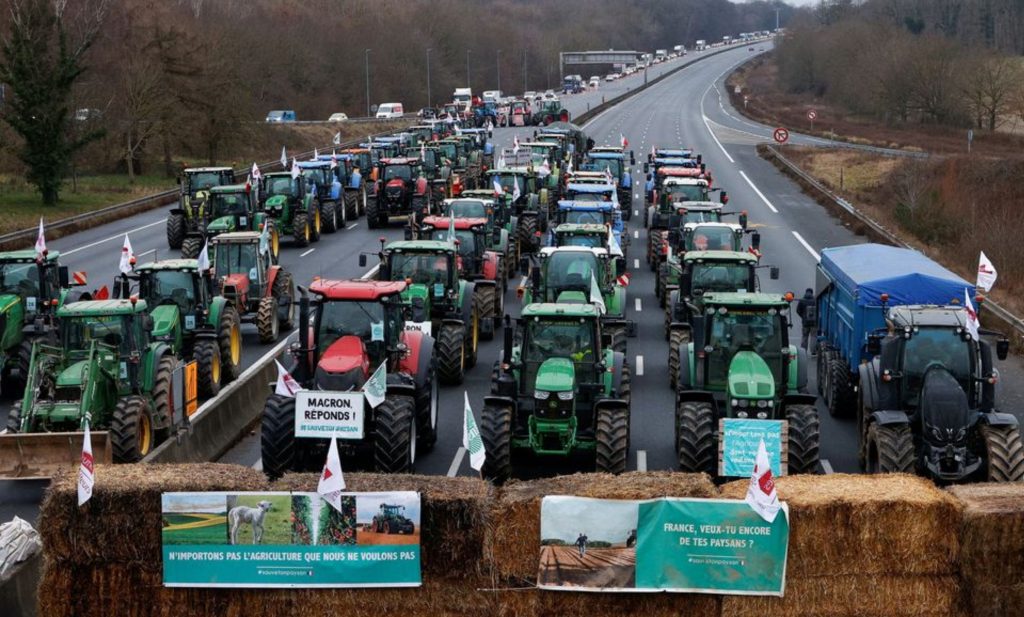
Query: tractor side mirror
{"points": [[723, 197], [874, 345], [773, 273], [743, 220], [755, 240], [362, 260], [408, 233], [62, 275], [620, 266], [647, 169], [700, 158], [535, 278], [147, 323], [1002, 348]]}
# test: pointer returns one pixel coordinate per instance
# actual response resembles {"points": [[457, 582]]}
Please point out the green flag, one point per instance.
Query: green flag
{"points": [[376, 386], [471, 440]]}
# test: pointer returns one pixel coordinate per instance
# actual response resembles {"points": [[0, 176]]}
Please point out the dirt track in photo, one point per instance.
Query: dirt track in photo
{"points": [[601, 567], [371, 538]]}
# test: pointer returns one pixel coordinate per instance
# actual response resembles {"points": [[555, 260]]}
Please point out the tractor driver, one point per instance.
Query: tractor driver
{"points": [[700, 242]]}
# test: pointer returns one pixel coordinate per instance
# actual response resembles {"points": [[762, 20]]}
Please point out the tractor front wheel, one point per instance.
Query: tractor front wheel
{"points": [[451, 354], [1004, 452], [612, 439], [329, 215], [14, 418], [131, 430], [427, 401], [302, 232], [496, 433], [207, 357], [175, 230], [695, 437], [191, 246], [162, 399], [229, 339], [373, 218], [394, 448], [485, 300], [284, 288], [890, 449], [277, 435], [267, 323], [804, 438]]}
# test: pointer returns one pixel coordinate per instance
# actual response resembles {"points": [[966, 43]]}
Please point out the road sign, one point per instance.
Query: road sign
{"points": [[812, 115], [781, 135]]}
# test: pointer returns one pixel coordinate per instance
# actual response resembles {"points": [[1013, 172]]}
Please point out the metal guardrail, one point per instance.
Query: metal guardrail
{"points": [[877, 229]]}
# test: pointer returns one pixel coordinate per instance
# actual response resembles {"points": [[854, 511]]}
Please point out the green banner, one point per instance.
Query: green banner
{"points": [[291, 540], [740, 440], [681, 545]]}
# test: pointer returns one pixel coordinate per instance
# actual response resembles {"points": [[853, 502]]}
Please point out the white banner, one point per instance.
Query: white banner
{"points": [[419, 326], [323, 414]]}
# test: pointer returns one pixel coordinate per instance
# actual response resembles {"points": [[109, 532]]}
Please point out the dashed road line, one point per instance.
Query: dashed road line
{"points": [[639, 365], [639, 306], [827, 466], [352, 226], [456, 462], [117, 237], [641, 460], [636, 264], [636, 234], [307, 252]]}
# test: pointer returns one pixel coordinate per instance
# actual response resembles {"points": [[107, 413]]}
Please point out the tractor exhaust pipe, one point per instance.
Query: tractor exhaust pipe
{"points": [[506, 356], [302, 364]]}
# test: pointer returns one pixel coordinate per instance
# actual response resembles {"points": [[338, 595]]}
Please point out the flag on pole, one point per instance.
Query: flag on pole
{"points": [[376, 387], [986, 273], [40, 240], [613, 243], [334, 160], [255, 173], [623, 141], [515, 189], [545, 169], [295, 169], [337, 139], [761, 495], [471, 439], [332, 482], [501, 162], [608, 175], [286, 384], [284, 158], [623, 279], [126, 256], [86, 470], [265, 237], [423, 152], [498, 190], [595, 294], [203, 261], [972, 315], [451, 225], [316, 155], [515, 144]]}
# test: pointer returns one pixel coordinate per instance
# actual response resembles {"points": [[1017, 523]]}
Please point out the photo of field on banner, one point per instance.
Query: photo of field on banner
{"points": [[716, 546], [280, 539]]}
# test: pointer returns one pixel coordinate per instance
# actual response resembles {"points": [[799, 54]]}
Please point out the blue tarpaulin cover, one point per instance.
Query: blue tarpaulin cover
{"points": [[909, 277]]}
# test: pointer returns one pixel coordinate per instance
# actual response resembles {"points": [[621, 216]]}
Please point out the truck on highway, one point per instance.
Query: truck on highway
{"points": [[701, 45], [660, 55]]}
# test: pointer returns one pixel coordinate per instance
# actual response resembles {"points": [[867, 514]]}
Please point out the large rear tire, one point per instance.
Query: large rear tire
{"points": [[351, 205], [316, 222], [612, 449], [677, 341], [526, 233], [191, 247], [618, 337], [496, 433], [1004, 452], [427, 405], [695, 437], [451, 354], [394, 447], [373, 219], [175, 230], [208, 367], [14, 418], [229, 339], [840, 396], [485, 301], [472, 335], [162, 394], [284, 287], [277, 436], [15, 378], [329, 216], [804, 438], [301, 230], [267, 323], [131, 430], [890, 449]]}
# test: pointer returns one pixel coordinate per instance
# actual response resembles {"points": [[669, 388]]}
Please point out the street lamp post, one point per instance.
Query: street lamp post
{"points": [[499, 70], [525, 66], [428, 78], [367, 83], [467, 69]]}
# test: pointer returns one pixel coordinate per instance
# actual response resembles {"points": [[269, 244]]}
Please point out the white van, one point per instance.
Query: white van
{"points": [[492, 96], [390, 110]]}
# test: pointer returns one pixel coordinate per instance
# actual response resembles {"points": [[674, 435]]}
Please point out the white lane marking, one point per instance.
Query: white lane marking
{"points": [[258, 465], [712, 133], [352, 226], [635, 211], [146, 253], [372, 272], [809, 248], [456, 462], [827, 466], [639, 365], [641, 460], [307, 252], [636, 263], [119, 236], [759, 193], [636, 234], [639, 307], [522, 283]]}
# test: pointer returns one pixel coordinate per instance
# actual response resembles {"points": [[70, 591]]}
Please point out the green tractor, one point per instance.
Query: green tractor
{"points": [[568, 275], [501, 223], [392, 520], [559, 390], [740, 364], [532, 207], [699, 237], [109, 369], [31, 290], [469, 160], [191, 215], [228, 208], [188, 316], [292, 206], [441, 304], [594, 235]]}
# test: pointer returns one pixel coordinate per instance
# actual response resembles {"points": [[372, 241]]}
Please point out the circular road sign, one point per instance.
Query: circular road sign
{"points": [[781, 135], [811, 114]]}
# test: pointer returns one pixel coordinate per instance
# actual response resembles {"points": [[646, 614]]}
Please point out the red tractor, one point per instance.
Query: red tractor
{"points": [[477, 263], [261, 292], [357, 325], [401, 189]]}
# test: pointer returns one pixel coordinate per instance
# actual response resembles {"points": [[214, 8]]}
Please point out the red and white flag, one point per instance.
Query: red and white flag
{"points": [[127, 256], [332, 482], [40, 240], [761, 495], [623, 141], [972, 315], [286, 384], [86, 470], [255, 173], [623, 279], [986, 273]]}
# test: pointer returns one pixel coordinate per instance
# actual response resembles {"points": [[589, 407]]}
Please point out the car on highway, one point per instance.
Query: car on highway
{"points": [[389, 111], [611, 76], [595, 82], [338, 117], [529, 95], [549, 95], [281, 115]]}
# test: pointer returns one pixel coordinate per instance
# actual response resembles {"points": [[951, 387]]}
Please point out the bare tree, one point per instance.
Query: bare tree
{"points": [[989, 83]]}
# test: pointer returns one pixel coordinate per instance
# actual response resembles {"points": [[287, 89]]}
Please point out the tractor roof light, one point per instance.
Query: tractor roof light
{"points": [[884, 298], [134, 299], [789, 296]]}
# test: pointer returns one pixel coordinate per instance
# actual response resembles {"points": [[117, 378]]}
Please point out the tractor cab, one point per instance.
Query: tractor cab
{"points": [[615, 163], [430, 270], [469, 238], [710, 236], [592, 235], [31, 287], [471, 207], [592, 213], [678, 153], [519, 113], [240, 265], [363, 159], [549, 111], [511, 177], [177, 295], [195, 182], [231, 208], [569, 275], [673, 190], [581, 192]]}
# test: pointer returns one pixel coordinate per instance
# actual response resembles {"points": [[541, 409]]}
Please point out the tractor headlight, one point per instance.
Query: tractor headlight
{"points": [[762, 403], [761, 415], [741, 414], [744, 403], [735, 403], [565, 396], [541, 395]]}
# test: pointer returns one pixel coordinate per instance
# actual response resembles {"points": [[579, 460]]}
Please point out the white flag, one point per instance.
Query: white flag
{"points": [[337, 139], [545, 169], [501, 162], [265, 237], [972, 315], [613, 243], [595, 294], [126, 256], [334, 160], [86, 470], [986, 273], [286, 384], [316, 155], [515, 144], [255, 173], [376, 387], [284, 158], [203, 261], [515, 188], [471, 440], [623, 141], [498, 190], [40, 240], [295, 169], [332, 482], [761, 494]]}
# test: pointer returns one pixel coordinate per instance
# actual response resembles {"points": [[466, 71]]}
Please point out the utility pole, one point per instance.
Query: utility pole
{"points": [[467, 69], [428, 78], [525, 71], [367, 83], [776, 18], [499, 69]]}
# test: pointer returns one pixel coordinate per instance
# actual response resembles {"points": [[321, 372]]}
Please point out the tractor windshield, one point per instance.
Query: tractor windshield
{"points": [[78, 333], [552, 106], [401, 172], [230, 204], [449, 151], [601, 164], [365, 320], [508, 182], [317, 175], [204, 180], [236, 258], [719, 277], [421, 268], [589, 197], [712, 238], [19, 278], [570, 271], [470, 209], [573, 339], [583, 217], [593, 241], [169, 287], [931, 346], [686, 192], [281, 185], [734, 330], [465, 237], [701, 216]]}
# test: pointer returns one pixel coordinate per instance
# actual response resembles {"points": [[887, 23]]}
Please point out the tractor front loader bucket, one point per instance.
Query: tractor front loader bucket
{"points": [[38, 456]]}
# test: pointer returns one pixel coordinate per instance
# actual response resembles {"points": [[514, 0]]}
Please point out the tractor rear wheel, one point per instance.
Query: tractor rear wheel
{"points": [[612, 449], [229, 338], [207, 356], [351, 205], [394, 446], [427, 402], [267, 323], [804, 438], [840, 395], [191, 247], [316, 222], [14, 378], [14, 418], [164, 413], [677, 341], [695, 436], [451, 353], [496, 433], [277, 435], [890, 449], [618, 337], [661, 284], [373, 219], [526, 233], [284, 287], [131, 429], [1004, 452], [329, 216], [175, 230], [485, 301], [301, 229]]}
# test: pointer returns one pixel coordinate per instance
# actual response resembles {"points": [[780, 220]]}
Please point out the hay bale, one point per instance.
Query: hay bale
{"points": [[537, 603], [865, 525], [455, 516], [514, 544], [854, 596], [992, 546], [121, 523]]}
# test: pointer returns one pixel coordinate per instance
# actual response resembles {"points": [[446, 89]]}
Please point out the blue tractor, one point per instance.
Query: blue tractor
{"points": [[592, 212], [324, 183], [617, 163]]}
